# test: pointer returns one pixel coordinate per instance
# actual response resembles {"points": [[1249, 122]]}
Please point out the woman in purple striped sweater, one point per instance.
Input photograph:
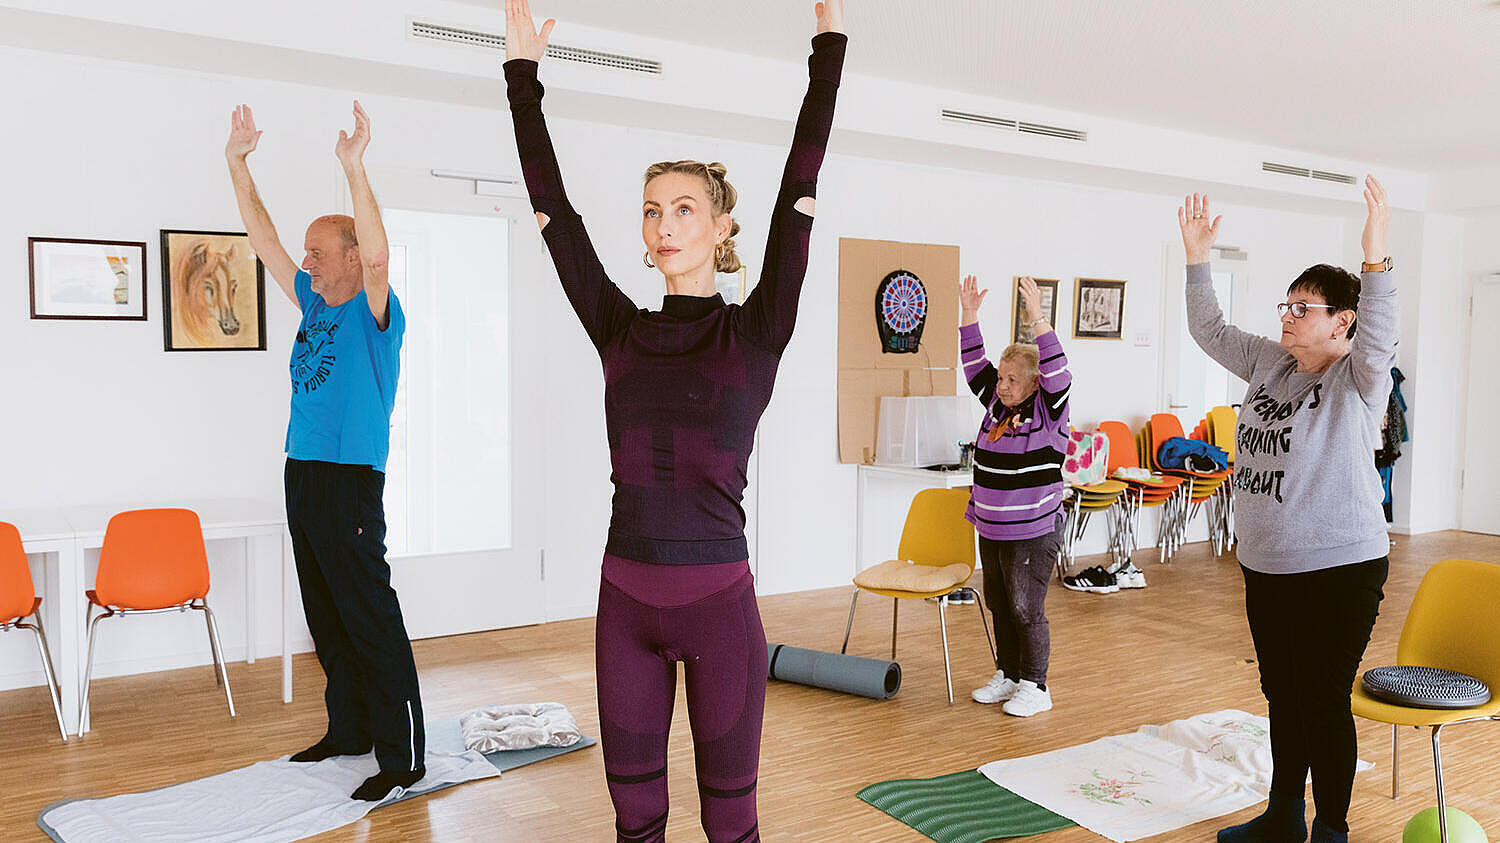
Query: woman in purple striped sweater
{"points": [[1016, 500], [684, 389]]}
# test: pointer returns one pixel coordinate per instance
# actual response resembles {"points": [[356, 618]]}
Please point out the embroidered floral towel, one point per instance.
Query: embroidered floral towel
{"points": [[1127, 787]]}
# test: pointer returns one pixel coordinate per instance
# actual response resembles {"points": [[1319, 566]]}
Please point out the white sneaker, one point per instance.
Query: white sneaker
{"points": [[1028, 700], [998, 689], [1130, 577]]}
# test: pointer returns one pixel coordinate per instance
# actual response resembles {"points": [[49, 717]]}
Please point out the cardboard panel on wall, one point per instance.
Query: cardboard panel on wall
{"points": [[866, 370], [863, 264]]}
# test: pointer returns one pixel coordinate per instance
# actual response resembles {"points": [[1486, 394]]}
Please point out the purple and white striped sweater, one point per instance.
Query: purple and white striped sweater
{"points": [[1018, 485]]}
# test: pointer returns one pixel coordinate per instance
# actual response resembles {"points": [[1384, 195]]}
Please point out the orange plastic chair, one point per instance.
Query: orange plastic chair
{"points": [[153, 561], [18, 601], [1164, 426], [1203, 487], [1160, 491]]}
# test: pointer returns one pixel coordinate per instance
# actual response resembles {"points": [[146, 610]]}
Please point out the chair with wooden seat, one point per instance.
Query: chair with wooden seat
{"points": [[18, 601], [935, 556], [1450, 625], [152, 561]]}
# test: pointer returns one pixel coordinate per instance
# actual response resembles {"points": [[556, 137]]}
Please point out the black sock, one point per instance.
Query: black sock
{"points": [[377, 786], [325, 748], [1041, 687]]}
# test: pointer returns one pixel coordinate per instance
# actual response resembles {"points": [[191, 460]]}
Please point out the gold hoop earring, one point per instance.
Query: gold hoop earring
{"points": [[719, 251], [646, 259]]}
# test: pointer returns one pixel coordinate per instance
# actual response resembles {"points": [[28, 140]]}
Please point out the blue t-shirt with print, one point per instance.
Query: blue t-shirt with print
{"points": [[344, 371]]}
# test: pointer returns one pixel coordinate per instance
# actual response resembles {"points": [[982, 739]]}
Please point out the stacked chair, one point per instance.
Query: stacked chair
{"points": [[1082, 502], [1205, 491], [1160, 492], [1220, 425]]}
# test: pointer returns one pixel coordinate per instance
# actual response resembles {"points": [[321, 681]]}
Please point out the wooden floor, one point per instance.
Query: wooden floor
{"points": [[1177, 648]]}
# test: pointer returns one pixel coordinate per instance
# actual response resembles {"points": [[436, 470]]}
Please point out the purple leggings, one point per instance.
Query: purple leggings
{"points": [[650, 617]]}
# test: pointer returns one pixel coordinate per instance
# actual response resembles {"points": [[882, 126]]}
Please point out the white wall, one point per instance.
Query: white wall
{"points": [[118, 151]]}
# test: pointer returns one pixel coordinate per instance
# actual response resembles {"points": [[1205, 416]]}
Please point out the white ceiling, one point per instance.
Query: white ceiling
{"points": [[1410, 83]]}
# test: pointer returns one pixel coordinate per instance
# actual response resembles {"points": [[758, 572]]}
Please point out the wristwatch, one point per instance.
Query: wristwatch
{"points": [[1381, 266]]}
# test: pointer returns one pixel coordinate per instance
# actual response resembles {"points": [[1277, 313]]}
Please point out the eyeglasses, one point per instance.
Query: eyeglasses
{"points": [[1298, 308]]}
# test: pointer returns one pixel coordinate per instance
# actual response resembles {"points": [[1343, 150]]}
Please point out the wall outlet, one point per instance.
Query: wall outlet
{"points": [[1142, 339]]}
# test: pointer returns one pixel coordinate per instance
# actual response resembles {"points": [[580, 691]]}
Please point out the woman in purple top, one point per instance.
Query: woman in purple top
{"points": [[1017, 493], [684, 389]]}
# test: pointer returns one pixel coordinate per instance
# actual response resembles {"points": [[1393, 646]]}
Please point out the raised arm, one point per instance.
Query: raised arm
{"points": [[1054, 379], [602, 308], [1230, 347], [770, 311], [243, 138], [978, 371], [374, 250], [1372, 352]]}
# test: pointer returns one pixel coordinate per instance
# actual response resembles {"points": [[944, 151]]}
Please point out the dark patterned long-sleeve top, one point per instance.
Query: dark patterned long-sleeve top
{"points": [[684, 387]]}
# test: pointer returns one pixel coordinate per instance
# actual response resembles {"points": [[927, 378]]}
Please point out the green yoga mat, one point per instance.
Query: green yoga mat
{"points": [[961, 807]]}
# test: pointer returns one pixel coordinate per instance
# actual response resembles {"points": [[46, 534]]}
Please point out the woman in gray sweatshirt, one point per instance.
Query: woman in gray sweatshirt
{"points": [[1308, 517]]}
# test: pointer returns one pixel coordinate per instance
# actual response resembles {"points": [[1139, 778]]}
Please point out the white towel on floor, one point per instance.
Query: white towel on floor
{"points": [[269, 802], [491, 728], [1127, 787]]}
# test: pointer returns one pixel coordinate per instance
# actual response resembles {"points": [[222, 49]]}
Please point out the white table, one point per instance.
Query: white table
{"points": [[921, 478], [65, 534]]}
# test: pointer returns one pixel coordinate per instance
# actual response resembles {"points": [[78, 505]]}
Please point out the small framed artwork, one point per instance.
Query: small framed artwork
{"points": [[213, 292], [1019, 331], [87, 279], [1098, 308]]}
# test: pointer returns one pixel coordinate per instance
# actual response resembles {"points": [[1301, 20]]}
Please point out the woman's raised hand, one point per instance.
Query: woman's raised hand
{"points": [[1377, 221], [1031, 296], [522, 40], [970, 297], [1198, 233], [830, 16]]}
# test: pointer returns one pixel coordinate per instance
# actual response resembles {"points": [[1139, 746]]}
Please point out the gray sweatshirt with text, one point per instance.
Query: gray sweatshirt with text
{"points": [[1306, 492]]}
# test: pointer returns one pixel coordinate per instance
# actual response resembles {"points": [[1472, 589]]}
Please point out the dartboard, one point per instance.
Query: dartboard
{"points": [[903, 302]]}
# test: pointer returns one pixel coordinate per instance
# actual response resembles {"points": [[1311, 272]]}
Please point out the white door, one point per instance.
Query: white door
{"points": [[1480, 494], [464, 525], [1191, 383]]}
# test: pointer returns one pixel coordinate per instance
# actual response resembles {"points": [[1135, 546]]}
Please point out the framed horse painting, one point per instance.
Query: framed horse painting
{"points": [[213, 292]]}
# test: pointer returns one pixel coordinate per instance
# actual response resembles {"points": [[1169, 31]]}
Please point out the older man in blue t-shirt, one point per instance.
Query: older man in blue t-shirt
{"points": [[344, 367]]}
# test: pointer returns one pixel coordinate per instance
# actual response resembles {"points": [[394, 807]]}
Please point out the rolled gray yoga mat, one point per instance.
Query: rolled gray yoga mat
{"points": [[873, 678]]}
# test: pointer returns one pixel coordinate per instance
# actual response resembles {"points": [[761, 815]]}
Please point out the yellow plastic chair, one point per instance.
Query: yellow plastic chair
{"points": [[936, 556], [1222, 422], [1106, 496], [1450, 625]]}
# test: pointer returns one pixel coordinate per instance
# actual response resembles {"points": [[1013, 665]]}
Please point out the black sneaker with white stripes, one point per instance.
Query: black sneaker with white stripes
{"points": [[1095, 580]]}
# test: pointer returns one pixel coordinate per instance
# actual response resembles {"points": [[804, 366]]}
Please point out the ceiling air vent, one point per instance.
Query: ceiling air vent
{"points": [[1304, 172], [1013, 125], [494, 41], [1054, 131]]}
